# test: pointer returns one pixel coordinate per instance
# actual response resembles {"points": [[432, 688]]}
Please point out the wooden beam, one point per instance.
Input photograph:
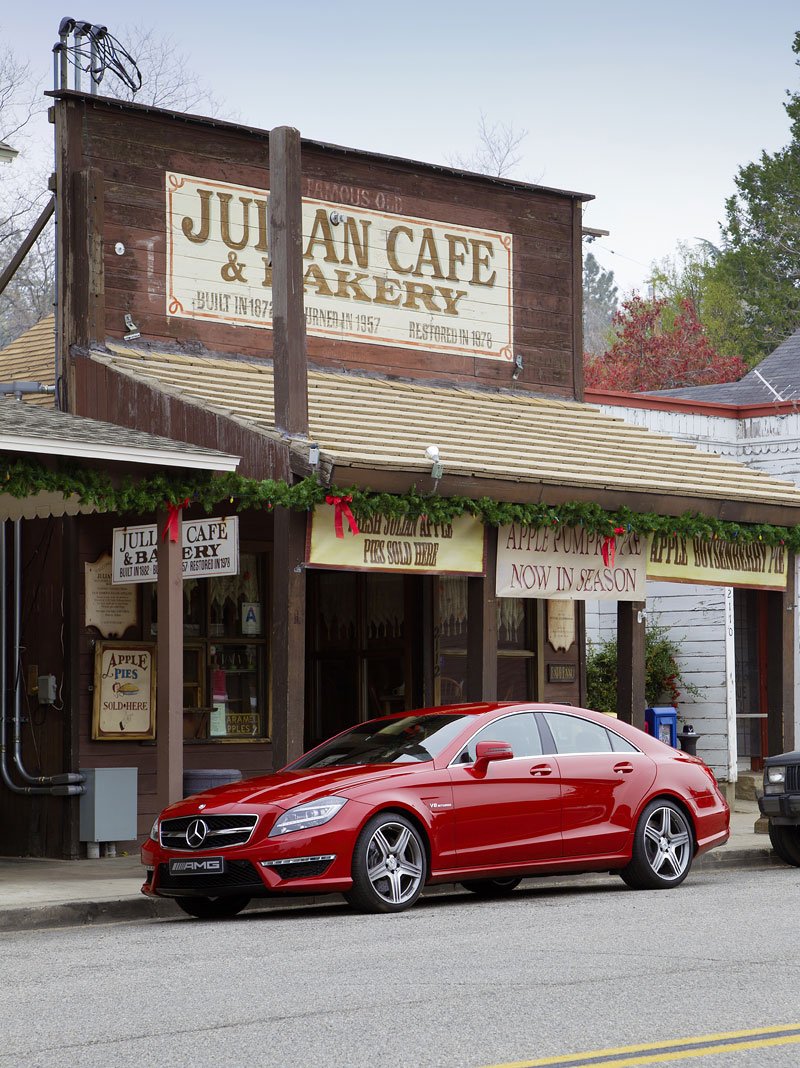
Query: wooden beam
{"points": [[577, 299], [87, 295], [27, 244], [72, 571], [169, 691], [286, 250], [482, 628], [631, 701], [288, 636]]}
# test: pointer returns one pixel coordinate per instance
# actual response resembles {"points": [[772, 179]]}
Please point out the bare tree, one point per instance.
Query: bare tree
{"points": [[168, 81], [497, 151]]}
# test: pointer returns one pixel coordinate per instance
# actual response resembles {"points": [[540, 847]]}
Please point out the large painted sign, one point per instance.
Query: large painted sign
{"points": [[567, 563], [714, 562], [369, 276], [384, 543]]}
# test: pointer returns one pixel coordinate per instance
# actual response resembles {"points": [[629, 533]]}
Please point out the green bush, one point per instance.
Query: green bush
{"points": [[662, 674]]}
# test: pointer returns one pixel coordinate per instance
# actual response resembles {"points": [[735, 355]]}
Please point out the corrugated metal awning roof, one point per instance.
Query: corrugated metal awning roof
{"points": [[489, 441]]}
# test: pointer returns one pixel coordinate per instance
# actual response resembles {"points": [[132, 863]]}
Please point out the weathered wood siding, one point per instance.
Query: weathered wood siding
{"points": [[130, 151]]}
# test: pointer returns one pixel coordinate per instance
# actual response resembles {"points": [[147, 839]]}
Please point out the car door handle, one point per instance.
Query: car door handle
{"points": [[625, 768], [541, 769]]}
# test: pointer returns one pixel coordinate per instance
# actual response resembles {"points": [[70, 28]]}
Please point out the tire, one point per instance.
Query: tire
{"points": [[492, 887], [389, 865], [786, 842], [663, 848], [212, 908]]}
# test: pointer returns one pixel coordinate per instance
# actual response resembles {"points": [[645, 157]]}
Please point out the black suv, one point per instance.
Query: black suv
{"points": [[781, 804]]}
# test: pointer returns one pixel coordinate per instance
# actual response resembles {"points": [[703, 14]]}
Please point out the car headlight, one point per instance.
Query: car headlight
{"points": [[302, 817], [775, 779], [154, 829]]}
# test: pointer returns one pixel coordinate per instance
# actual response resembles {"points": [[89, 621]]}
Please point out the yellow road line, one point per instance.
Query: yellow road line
{"points": [[662, 1052]]}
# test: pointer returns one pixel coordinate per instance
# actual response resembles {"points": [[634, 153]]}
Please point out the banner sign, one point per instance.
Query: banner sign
{"points": [[717, 563], [210, 547], [567, 563], [387, 544], [368, 276]]}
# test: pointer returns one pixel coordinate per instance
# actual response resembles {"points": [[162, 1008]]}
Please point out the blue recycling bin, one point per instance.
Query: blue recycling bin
{"points": [[662, 723]]}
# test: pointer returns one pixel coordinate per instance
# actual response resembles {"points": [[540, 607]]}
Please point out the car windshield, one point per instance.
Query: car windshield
{"points": [[386, 741]]}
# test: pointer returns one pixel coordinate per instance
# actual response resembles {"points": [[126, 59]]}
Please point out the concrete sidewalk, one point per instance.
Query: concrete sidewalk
{"points": [[55, 893]]}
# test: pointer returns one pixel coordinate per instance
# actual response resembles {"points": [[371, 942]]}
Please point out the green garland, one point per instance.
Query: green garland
{"points": [[23, 478]]}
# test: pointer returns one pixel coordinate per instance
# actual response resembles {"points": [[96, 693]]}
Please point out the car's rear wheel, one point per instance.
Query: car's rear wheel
{"points": [[663, 848], [786, 842], [212, 908], [492, 887], [389, 865]]}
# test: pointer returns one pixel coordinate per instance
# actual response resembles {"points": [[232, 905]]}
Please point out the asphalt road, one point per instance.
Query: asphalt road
{"points": [[554, 971]]}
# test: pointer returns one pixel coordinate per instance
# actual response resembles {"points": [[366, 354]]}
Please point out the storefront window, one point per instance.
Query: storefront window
{"points": [[516, 644], [225, 655]]}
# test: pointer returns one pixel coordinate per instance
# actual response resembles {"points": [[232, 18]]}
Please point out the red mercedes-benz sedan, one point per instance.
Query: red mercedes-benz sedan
{"points": [[481, 794]]}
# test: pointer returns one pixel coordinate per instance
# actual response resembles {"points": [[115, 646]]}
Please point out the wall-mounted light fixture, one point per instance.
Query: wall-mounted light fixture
{"points": [[518, 366], [437, 467], [313, 455]]}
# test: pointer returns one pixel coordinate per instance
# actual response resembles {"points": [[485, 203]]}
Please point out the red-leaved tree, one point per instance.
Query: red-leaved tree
{"points": [[647, 354]]}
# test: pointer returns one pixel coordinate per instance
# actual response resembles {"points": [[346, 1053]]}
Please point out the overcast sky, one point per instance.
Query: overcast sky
{"points": [[650, 107]]}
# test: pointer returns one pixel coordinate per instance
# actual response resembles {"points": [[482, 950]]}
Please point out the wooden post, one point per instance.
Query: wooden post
{"points": [[286, 249], [288, 636], [577, 299], [788, 610], [169, 691], [291, 416], [631, 701], [482, 628], [87, 295]]}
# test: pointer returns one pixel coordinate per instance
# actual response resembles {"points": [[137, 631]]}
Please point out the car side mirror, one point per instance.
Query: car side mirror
{"points": [[486, 752]]}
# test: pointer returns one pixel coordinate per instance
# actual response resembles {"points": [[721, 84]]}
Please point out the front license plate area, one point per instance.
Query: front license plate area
{"points": [[197, 866]]}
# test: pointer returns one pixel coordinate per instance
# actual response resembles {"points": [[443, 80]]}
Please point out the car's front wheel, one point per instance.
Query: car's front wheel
{"points": [[492, 887], [389, 865], [212, 908], [786, 842], [663, 848]]}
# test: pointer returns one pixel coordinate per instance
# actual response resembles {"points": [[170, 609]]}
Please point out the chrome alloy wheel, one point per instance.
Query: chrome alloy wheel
{"points": [[395, 863], [667, 843]]}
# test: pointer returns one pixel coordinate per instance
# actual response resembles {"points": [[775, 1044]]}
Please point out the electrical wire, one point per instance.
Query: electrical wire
{"points": [[109, 55]]}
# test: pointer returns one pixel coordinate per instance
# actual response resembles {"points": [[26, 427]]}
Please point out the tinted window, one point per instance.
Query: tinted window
{"points": [[519, 730], [621, 745], [387, 741], [575, 735]]}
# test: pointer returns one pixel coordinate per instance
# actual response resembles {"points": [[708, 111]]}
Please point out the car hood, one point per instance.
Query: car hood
{"points": [[285, 789]]}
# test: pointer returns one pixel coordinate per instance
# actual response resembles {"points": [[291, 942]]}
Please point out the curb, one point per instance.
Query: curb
{"points": [[138, 908]]}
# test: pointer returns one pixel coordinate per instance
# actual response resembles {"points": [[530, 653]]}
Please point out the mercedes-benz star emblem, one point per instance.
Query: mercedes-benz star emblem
{"points": [[196, 834]]}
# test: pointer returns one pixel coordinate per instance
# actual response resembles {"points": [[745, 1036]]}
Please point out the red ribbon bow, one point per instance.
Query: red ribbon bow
{"points": [[342, 506], [171, 529], [608, 550]]}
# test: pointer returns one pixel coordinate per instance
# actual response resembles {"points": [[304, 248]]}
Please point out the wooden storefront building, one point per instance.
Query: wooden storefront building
{"points": [[369, 322]]}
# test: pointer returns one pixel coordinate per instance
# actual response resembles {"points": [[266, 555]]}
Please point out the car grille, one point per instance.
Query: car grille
{"points": [[239, 876], [793, 778], [223, 831]]}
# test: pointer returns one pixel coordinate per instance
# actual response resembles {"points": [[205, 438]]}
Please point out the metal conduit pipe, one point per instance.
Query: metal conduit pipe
{"points": [[67, 783], [4, 773]]}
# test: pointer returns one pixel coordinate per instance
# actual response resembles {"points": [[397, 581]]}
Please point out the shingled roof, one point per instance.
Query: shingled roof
{"points": [[31, 358], [781, 369]]}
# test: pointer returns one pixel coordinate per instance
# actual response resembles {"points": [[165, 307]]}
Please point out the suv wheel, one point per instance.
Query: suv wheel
{"points": [[786, 842]]}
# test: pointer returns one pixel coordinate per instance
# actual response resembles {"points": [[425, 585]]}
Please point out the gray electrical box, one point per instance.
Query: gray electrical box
{"points": [[108, 807]]}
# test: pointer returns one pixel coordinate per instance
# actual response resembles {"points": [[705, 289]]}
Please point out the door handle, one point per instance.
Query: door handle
{"points": [[541, 769], [625, 768]]}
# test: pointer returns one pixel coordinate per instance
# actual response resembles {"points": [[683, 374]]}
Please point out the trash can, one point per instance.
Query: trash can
{"points": [[199, 779], [662, 723]]}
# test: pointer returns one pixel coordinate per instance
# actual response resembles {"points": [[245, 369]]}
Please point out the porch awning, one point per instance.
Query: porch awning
{"points": [[502, 444]]}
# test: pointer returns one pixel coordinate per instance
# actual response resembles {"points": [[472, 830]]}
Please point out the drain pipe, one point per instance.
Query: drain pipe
{"points": [[68, 783]]}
